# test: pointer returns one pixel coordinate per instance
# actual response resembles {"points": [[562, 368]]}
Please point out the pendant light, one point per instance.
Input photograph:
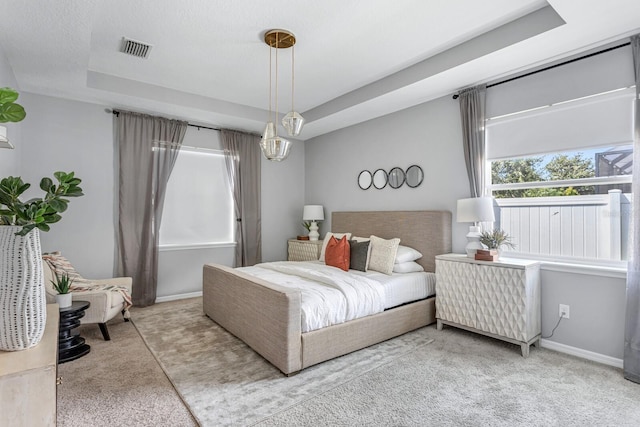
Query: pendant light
{"points": [[274, 147], [293, 121]]}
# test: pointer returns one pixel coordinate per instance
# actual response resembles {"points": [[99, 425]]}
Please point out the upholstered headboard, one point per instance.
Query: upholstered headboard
{"points": [[427, 231]]}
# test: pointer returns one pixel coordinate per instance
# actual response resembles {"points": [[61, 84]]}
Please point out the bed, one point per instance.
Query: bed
{"points": [[267, 316]]}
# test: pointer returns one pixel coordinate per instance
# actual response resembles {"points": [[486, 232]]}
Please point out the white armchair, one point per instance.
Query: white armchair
{"points": [[105, 304]]}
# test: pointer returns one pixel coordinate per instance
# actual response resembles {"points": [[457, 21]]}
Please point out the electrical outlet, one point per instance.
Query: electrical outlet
{"points": [[563, 311]]}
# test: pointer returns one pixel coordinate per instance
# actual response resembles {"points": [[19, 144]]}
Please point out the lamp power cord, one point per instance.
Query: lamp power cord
{"points": [[554, 329]]}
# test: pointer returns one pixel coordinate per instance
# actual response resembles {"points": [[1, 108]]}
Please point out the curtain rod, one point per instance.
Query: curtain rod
{"points": [[455, 96], [117, 113]]}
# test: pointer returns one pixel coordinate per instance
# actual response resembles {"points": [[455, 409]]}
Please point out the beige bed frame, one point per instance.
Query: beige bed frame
{"points": [[267, 316]]}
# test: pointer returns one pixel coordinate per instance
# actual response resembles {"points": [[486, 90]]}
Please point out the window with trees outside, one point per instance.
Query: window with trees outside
{"points": [[561, 176]]}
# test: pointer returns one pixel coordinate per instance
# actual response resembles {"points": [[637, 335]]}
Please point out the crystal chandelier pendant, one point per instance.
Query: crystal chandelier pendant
{"points": [[269, 132], [293, 123], [276, 148]]}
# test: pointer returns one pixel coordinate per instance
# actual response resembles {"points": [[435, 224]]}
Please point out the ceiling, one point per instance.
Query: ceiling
{"points": [[355, 60]]}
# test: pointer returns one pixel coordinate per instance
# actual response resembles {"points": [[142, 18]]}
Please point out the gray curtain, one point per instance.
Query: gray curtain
{"points": [[147, 150], [242, 157], [632, 327], [472, 113]]}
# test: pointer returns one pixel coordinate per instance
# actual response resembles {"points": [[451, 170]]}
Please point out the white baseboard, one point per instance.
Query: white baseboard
{"points": [[179, 296], [585, 354]]}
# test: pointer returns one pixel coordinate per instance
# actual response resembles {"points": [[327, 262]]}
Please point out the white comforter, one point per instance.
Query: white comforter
{"points": [[328, 295]]}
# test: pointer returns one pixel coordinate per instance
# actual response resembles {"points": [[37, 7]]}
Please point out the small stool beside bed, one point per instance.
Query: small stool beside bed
{"points": [[267, 316]]}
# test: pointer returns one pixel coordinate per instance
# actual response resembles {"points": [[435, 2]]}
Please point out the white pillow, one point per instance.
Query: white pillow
{"points": [[326, 239], [406, 254], [407, 267], [383, 254]]}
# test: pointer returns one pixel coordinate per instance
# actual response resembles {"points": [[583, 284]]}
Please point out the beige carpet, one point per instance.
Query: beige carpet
{"points": [[427, 377], [118, 383]]}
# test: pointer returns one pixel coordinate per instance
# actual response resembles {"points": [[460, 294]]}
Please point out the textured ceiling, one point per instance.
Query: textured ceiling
{"points": [[355, 59]]}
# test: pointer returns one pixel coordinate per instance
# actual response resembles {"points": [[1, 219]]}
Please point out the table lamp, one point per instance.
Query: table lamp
{"points": [[476, 210], [313, 213]]}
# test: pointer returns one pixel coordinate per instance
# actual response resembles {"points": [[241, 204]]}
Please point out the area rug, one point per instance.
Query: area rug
{"points": [[427, 377], [225, 382]]}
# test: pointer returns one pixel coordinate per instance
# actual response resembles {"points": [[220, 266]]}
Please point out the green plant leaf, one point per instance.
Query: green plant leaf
{"points": [[26, 229], [12, 113], [46, 184], [43, 226], [8, 95], [59, 205]]}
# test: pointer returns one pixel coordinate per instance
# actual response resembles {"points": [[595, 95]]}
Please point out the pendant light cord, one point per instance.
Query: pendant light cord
{"points": [[275, 121], [270, 80], [293, 75]]}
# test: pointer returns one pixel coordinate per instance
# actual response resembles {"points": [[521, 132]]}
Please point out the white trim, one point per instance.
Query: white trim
{"points": [[591, 199], [590, 270], [189, 247], [585, 354], [578, 182], [178, 297], [590, 267]]}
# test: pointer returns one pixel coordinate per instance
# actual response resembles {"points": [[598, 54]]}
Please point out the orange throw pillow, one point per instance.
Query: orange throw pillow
{"points": [[338, 253]]}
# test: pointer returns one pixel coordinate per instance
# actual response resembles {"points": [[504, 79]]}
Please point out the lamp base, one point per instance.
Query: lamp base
{"points": [[313, 231], [473, 239]]}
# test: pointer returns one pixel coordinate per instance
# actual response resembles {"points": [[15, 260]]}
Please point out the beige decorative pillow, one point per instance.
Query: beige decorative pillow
{"points": [[326, 239], [383, 254]]}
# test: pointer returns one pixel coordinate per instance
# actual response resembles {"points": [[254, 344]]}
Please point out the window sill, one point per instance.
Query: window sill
{"points": [[615, 269], [196, 246], [591, 270]]}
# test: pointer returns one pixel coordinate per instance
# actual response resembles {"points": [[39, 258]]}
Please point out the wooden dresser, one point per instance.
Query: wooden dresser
{"points": [[28, 380]]}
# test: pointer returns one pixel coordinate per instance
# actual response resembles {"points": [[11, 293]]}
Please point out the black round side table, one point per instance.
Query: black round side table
{"points": [[70, 344]]}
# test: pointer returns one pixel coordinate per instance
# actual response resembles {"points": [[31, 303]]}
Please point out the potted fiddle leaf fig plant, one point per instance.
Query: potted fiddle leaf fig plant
{"points": [[22, 287]]}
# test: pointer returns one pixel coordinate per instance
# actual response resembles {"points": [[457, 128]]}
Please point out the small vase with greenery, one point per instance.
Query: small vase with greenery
{"points": [[496, 239], [62, 285]]}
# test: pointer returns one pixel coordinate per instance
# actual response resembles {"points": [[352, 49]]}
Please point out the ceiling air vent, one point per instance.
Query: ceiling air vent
{"points": [[135, 48]]}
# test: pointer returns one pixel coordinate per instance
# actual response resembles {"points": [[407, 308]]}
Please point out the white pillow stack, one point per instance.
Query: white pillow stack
{"points": [[405, 260]]}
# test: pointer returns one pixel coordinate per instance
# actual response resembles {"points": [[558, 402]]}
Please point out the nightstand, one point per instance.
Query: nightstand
{"points": [[303, 250], [500, 299]]}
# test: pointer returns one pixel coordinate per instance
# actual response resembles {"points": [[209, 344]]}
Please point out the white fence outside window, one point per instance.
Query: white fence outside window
{"points": [[586, 227]]}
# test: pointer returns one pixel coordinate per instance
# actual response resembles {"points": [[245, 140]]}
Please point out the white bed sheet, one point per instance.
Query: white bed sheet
{"points": [[323, 305], [401, 288], [328, 295]]}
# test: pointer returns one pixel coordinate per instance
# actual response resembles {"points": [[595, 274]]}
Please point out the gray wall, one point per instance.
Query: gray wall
{"points": [[69, 135], [429, 135]]}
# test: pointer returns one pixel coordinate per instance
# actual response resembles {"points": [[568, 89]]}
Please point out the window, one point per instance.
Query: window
{"points": [[198, 207], [561, 176]]}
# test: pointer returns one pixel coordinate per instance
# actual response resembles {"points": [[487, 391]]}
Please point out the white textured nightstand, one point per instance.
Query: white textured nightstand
{"points": [[304, 250], [500, 299]]}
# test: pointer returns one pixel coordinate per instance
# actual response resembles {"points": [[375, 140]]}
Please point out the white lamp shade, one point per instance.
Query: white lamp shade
{"points": [[475, 209], [313, 213]]}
